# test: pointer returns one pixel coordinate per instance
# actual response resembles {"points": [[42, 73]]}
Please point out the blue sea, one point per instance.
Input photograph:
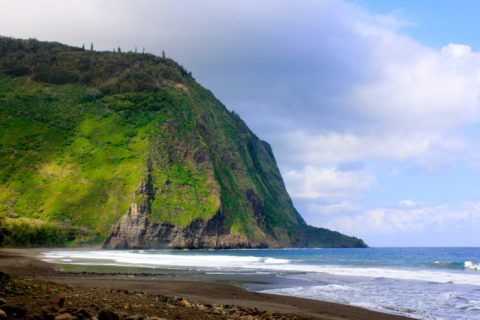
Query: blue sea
{"points": [[423, 283]]}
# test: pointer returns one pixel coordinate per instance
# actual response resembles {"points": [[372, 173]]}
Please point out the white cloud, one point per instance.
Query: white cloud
{"points": [[325, 183], [300, 146], [408, 203], [335, 147], [457, 50], [410, 218], [328, 209], [423, 89], [416, 105]]}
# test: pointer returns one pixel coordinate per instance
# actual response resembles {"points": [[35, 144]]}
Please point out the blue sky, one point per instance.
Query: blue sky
{"points": [[434, 23], [372, 107]]}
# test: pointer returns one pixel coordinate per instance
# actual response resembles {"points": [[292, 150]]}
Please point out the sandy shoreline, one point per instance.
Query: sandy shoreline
{"points": [[230, 301]]}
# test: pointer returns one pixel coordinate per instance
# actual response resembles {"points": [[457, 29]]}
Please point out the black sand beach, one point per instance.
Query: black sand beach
{"points": [[43, 291]]}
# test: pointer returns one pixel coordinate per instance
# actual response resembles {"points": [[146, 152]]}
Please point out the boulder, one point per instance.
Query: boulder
{"points": [[107, 314], [14, 310]]}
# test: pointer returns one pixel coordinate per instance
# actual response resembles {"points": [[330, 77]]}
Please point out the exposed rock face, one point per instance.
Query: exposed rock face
{"points": [[256, 205], [135, 230]]}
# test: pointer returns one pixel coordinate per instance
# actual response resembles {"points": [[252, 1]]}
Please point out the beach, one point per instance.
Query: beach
{"points": [[39, 287]]}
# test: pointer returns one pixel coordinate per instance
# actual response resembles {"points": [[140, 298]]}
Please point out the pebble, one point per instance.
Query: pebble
{"points": [[201, 307], [4, 277], [83, 314], [65, 316], [61, 302], [3, 315], [184, 302], [107, 314]]}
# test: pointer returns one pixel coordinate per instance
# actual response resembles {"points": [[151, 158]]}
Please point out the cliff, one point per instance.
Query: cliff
{"points": [[129, 149]]}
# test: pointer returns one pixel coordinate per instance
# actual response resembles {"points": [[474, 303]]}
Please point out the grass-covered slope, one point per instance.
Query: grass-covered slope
{"points": [[85, 136]]}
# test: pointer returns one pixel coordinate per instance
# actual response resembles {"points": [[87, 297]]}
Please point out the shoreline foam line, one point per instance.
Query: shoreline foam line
{"points": [[233, 262]]}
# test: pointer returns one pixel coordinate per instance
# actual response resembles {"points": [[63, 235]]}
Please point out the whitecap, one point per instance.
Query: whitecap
{"points": [[276, 261], [469, 265]]}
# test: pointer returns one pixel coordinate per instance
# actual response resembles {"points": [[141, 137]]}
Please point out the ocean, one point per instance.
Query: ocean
{"points": [[423, 283]]}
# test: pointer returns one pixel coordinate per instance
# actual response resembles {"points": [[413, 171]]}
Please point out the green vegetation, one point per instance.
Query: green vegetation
{"points": [[33, 233], [80, 131]]}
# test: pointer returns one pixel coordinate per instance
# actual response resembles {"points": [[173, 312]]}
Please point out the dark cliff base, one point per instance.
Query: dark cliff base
{"points": [[136, 231], [37, 288]]}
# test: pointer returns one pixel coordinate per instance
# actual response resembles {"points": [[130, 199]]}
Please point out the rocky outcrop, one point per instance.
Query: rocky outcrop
{"points": [[135, 230]]}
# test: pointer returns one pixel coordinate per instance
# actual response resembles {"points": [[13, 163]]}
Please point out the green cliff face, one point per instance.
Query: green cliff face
{"points": [[128, 149]]}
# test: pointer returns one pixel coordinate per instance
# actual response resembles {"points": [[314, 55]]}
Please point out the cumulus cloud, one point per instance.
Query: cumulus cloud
{"points": [[328, 209], [325, 183], [335, 147], [408, 203], [423, 90], [410, 219]]}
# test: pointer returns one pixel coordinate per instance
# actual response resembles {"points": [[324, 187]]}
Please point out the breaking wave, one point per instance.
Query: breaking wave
{"points": [[469, 265], [172, 260], [466, 265]]}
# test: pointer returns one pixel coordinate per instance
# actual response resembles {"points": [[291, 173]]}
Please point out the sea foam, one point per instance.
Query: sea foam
{"points": [[227, 262], [439, 302], [469, 265]]}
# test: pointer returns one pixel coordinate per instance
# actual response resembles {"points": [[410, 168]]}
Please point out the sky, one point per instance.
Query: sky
{"points": [[371, 107]]}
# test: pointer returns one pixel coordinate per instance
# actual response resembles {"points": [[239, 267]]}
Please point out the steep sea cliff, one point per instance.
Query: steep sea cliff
{"points": [[128, 149]]}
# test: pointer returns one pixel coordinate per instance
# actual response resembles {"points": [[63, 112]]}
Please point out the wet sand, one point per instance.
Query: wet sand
{"points": [[38, 286]]}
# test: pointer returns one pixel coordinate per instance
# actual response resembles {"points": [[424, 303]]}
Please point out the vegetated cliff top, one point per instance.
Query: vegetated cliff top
{"points": [[109, 71], [92, 140]]}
